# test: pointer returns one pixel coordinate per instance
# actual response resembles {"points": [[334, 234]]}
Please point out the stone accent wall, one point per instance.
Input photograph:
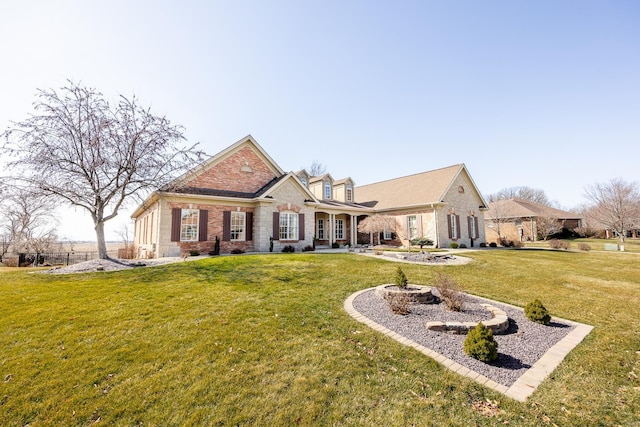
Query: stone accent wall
{"points": [[242, 171], [462, 203], [288, 193]]}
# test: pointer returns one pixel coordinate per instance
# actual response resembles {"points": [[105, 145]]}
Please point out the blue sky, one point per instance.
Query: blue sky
{"points": [[544, 94]]}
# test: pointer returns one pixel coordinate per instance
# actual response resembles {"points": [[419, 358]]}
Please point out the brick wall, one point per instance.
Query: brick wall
{"points": [[242, 171]]}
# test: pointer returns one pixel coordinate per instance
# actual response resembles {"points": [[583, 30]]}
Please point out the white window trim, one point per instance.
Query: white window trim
{"points": [[454, 227], [412, 232], [321, 229], [187, 229], [472, 230], [349, 195], [327, 190], [241, 223], [339, 229], [288, 229]]}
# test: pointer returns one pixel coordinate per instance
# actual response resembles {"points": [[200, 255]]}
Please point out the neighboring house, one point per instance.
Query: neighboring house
{"points": [[521, 220], [443, 205], [243, 198]]}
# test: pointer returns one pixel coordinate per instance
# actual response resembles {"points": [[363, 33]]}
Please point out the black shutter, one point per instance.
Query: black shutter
{"points": [[276, 226], [469, 219], [449, 226], [458, 226], [475, 218], [176, 220], [300, 226], [226, 226], [203, 225], [249, 226]]}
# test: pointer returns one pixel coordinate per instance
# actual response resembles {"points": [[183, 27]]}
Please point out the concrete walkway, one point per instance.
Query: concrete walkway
{"points": [[523, 387]]}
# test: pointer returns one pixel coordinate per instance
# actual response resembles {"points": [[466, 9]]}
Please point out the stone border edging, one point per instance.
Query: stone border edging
{"points": [[499, 323], [523, 387]]}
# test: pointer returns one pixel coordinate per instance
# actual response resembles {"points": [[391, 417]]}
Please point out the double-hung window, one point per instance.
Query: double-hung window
{"points": [[238, 221], [412, 226], [288, 226], [327, 190], [321, 229], [339, 229], [349, 193], [189, 225], [454, 226]]}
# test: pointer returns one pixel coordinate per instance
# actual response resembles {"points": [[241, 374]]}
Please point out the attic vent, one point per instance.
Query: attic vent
{"points": [[460, 189], [246, 168]]}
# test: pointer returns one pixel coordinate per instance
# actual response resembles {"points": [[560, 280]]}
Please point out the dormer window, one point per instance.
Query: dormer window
{"points": [[349, 193], [327, 190]]}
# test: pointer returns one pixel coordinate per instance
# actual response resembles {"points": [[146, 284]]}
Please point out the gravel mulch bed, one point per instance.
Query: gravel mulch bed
{"points": [[518, 349], [110, 265]]}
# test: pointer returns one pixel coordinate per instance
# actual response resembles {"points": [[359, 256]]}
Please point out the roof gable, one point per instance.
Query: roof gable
{"points": [[424, 188], [242, 167], [519, 208]]}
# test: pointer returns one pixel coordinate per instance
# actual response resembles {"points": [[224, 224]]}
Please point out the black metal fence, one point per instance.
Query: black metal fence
{"points": [[60, 258]]}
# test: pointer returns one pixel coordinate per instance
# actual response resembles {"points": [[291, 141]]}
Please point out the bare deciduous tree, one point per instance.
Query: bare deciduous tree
{"points": [[376, 224], [317, 168], [616, 205], [80, 149], [28, 223], [525, 193]]}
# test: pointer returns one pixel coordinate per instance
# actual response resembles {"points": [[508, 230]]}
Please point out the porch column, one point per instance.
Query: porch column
{"points": [[331, 227], [353, 230]]}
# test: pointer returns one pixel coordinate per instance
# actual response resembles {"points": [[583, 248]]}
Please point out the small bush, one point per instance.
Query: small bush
{"points": [[422, 241], [493, 245], [401, 278], [506, 243], [237, 251], [335, 245], [480, 344], [483, 245], [193, 252], [463, 246], [558, 244], [308, 248], [536, 312], [450, 292], [288, 249], [453, 245], [584, 247], [398, 303]]}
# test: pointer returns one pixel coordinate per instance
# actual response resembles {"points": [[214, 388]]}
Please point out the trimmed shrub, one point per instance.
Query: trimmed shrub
{"points": [[450, 292], [422, 241], [453, 245], [216, 247], [288, 249], [558, 244], [193, 252], [398, 303], [463, 246], [536, 312], [401, 278], [584, 247], [483, 245], [480, 344], [493, 245], [237, 251], [335, 245], [308, 248]]}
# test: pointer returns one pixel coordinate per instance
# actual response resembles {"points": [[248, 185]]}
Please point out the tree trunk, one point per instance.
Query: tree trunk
{"points": [[102, 245]]}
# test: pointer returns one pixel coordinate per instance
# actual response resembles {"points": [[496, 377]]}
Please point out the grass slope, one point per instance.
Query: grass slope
{"points": [[264, 340]]}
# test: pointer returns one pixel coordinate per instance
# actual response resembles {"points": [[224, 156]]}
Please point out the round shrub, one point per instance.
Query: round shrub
{"points": [[536, 312], [493, 245], [453, 245], [401, 278], [480, 344], [288, 249]]}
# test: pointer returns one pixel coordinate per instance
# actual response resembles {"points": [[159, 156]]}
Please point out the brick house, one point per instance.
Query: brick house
{"points": [[241, 197], [521, 220]]}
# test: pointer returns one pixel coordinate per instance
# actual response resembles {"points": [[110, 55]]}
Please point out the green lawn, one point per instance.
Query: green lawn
{"points": [[630, 245], [264, 340]]}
